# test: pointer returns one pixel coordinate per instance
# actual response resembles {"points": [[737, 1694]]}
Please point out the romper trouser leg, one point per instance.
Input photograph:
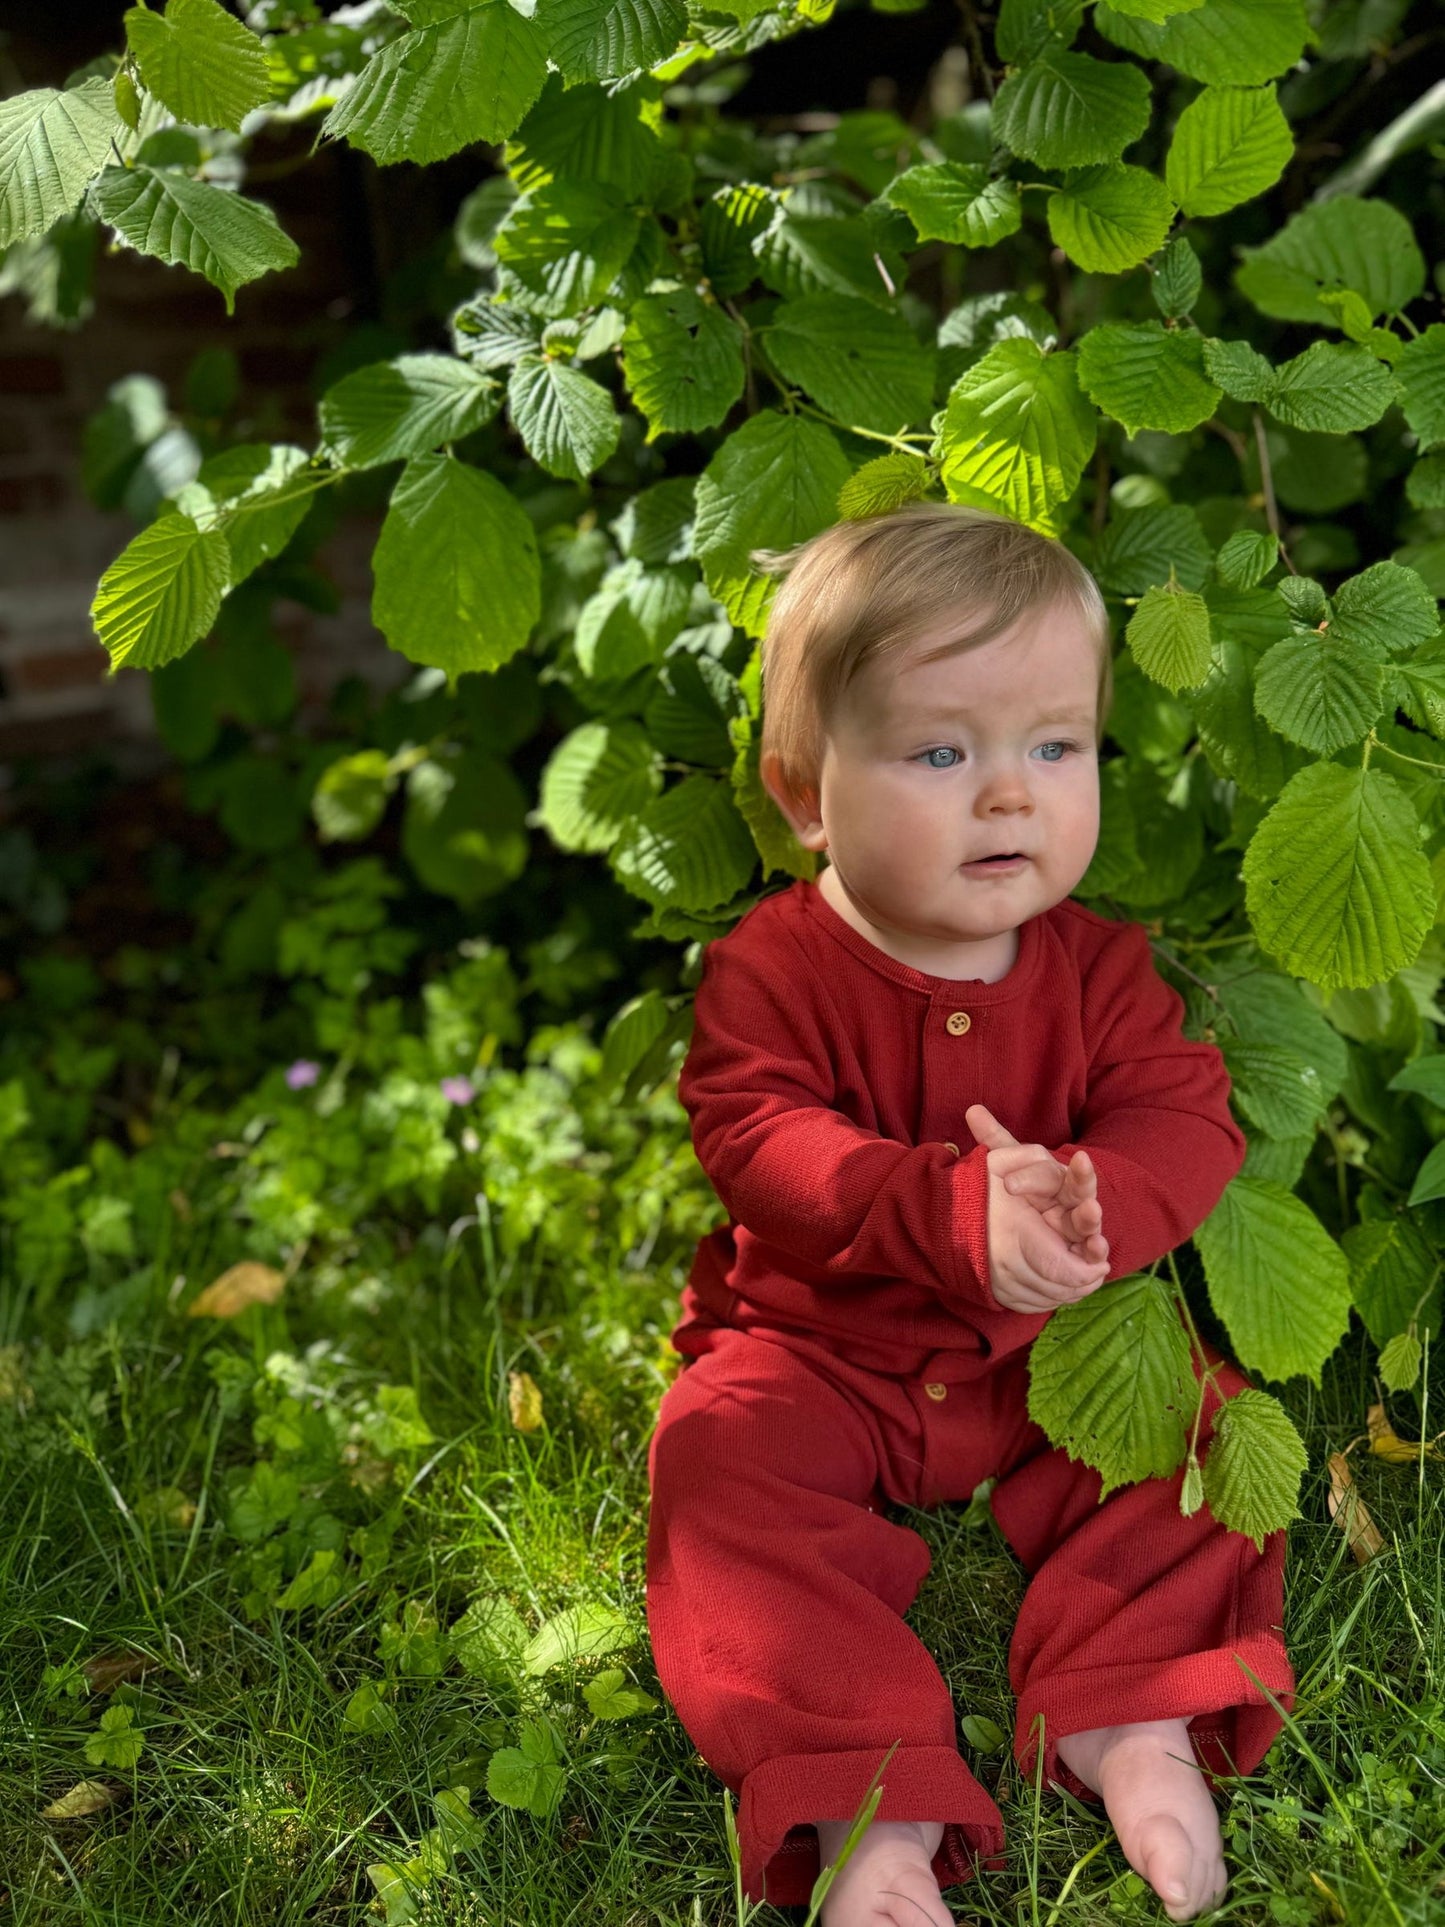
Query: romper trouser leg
{"points": [[1136, 1613], [775, 1599]]}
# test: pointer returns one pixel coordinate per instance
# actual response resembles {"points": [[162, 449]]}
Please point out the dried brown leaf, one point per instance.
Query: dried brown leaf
{"points": [[237, 1290], [105, 1671], [84, 1798], [524, 1401], [1349, 1512]]}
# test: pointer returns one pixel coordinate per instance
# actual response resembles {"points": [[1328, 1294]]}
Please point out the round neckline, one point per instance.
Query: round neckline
{"points": [[974, 988]]}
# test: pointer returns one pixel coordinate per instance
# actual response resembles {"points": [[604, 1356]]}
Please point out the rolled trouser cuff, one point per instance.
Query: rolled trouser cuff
{"points": [[784, 1798], [1231, 1721]]}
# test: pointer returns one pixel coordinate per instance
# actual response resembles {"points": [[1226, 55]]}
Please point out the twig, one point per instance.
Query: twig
{"points": [[1266, 477]]}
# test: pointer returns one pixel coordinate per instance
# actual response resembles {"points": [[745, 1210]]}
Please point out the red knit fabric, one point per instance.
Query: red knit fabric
{"points": [[824, 1083]]}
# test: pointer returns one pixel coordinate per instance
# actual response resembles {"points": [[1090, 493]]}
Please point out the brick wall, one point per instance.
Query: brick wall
{"points": [[357, 228]]}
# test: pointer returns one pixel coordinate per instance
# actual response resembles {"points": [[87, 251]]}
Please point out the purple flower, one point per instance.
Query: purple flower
{"points": [[301, 1074], [457, 1090]]}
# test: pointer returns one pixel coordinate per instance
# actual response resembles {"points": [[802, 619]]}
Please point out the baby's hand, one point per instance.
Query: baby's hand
{"points": [[1046, 1247]]}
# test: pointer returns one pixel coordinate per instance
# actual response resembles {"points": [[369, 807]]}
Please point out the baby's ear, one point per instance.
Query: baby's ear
{"points": [[800, 806]]}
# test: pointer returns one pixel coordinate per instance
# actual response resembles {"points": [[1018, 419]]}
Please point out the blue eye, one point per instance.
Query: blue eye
{"points": [[1056, 745], [943, 750]]}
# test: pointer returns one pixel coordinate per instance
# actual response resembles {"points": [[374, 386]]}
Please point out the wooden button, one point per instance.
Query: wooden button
{"points": [[949, 1145], [958, 1022], [936, 1392]]}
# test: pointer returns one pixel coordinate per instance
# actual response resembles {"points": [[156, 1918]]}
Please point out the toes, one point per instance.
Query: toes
{"points": [[1164, 1855]]}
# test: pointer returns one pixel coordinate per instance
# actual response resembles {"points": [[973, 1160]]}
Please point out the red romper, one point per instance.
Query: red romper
{"points": [[847, 1354]]}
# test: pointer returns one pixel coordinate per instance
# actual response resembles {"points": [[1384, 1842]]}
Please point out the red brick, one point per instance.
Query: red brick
{"points": [[56, 669], [32, 375], [54, 735], [31, 494]]}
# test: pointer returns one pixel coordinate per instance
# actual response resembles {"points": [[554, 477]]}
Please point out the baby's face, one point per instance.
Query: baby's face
{"points": [[934, 766]]}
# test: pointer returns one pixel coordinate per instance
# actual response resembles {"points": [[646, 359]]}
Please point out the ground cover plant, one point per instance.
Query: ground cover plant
{"points": [[1214, 368]]}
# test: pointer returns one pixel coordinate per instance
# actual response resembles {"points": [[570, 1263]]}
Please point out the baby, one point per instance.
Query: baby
{"points": [[936, 682]]}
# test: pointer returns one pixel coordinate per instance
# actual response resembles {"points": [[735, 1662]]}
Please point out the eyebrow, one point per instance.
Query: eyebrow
{"points": [[916, 718]]}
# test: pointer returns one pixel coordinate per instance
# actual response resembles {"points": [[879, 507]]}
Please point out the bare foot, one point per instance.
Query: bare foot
{"points": [[1160, 1806], [888, 1881]]}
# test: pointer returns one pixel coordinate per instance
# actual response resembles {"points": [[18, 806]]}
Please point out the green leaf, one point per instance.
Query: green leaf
{"points": [[630, 619], [1169, 637], [1276, 1276], [566, 420], [189, 223], [51, 145], [257, 497], [1420, 368], [1147, 376], [1156, 9], [1016, 433], [317, 1584], [1241, 371], [1429, 1181], [464, 831], [587, 1631], [957, 201], [983, 1735], [1239, 743], [1246, 558], [861, 364], [1253, 1470], [489, 1639], [1025, 27], [267, 1500], [367, 1709], [1144, 548], [117, 1744], [587, 134], [459, 1827], [826, 254], [610, 1698], [1109, 218], [689, 713], [397, 1887], [1425, 484], [771, 485], [1400, 1361], [605, 39], [881, 485], [1110, 1381], [1394, 1276], [683, 361], [567, 241], [199, 61], [524, 1777], [453, 81], [1318, 692], [689, 850], [1178, 278], [630, 1035], [1345, 242], [161, 593], [1386, 610], [1230, 43], [1070, 110], [1336, 885], [1277, 1090], [350, 796], [389, 410], [730, 222], [458, 579], [599, 775], [1229, 145], [1333, 387]]}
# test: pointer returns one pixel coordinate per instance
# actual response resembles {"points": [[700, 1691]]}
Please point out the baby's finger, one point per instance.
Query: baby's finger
{"points": [[986, 1127], [1035, 1181]]}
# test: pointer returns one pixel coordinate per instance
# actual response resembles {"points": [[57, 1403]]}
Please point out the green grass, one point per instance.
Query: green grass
{"points": [[254, 1802]]}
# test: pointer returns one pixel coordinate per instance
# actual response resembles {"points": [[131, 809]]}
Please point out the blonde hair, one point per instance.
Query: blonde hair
{"points": [[860, 592]]}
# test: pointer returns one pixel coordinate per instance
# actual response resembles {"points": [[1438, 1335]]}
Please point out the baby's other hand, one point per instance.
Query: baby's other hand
{"points": [[1045, 1245]]}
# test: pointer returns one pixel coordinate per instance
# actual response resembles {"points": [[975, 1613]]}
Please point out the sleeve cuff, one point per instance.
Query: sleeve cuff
{"points": [[968, 1231]]}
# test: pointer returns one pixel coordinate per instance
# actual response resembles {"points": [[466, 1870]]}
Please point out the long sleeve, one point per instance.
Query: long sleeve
{"points": [[758, 1087], [1156, 1119]]}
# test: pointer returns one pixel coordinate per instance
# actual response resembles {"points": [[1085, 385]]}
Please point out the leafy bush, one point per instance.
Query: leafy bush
{"points": [[690, 339]]}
